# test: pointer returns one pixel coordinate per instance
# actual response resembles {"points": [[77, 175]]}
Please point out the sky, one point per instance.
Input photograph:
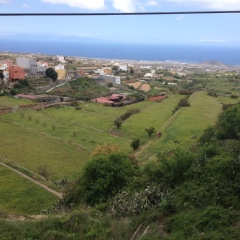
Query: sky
{"points": [[209, 29]]}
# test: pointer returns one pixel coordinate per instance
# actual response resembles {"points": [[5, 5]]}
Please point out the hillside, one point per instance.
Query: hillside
{"points": [[185, 181]]}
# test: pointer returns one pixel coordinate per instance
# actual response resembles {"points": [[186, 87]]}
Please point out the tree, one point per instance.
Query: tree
{"points": [[104, 176], [51, 73], [135, 144], [228, 125], [208, 135], [183, 102], [115, 68], [150, 131]]}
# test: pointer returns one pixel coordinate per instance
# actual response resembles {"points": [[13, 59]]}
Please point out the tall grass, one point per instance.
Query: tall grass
{"points": [[20, 196]]}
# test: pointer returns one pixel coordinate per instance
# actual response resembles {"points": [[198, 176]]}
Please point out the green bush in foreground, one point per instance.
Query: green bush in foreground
{"points": [[103, 177]]}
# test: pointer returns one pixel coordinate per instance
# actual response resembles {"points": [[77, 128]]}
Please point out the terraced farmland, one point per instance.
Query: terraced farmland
{"points": [[62, 139]]}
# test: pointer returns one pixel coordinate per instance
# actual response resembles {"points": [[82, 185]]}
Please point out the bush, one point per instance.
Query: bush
{"points": [[129, 113], [118, 123], [228, 125], [135, 144], [13, 92], [150, 131], [104, 176]]}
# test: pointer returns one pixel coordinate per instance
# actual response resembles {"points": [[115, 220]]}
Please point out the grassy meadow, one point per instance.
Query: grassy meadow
{"points": [[62, 139], [185, 126], [13, 102], [20, 196]]}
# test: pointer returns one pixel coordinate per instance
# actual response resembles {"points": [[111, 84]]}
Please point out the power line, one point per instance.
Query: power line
{"points": [[117, 14]]}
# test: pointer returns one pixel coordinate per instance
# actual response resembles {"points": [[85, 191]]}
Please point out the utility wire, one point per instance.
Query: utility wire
{"points": [[117, 14]]}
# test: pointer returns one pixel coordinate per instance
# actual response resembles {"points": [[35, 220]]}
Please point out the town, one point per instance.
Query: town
{"points": [[121, 77]]}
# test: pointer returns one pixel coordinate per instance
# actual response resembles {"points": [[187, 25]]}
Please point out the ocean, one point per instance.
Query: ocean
{"points": [[228, 55]]}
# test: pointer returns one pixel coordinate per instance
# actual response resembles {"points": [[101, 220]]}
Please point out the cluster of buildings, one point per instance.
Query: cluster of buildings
{"points": [[11, 72], [27, 66], [16, 72]]}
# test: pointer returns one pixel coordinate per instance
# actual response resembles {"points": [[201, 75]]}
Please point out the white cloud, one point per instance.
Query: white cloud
{"points": [[125, 5], [84, 4], [131, 5], [213, 4], [152, 3]]}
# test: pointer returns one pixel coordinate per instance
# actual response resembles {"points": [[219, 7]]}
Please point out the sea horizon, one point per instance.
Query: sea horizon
{"points": [[229, 55]]}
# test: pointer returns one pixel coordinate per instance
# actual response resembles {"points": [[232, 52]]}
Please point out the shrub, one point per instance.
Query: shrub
{"points": [[228, 125], [104, 176], [135, 144], [118, 123], [150, 131]]}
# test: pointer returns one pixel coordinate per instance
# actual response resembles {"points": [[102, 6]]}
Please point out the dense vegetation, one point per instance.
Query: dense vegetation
{"points": [[83, 89]]}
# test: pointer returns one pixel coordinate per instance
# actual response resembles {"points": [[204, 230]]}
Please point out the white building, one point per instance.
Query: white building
{"points": [[60, 67], [148, 75], [123, 67], [61, 59], [4, 70], [26, 63], [115, 80], [31, 65]]}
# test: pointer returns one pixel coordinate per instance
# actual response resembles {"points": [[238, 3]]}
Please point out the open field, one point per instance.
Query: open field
{"points": [[154, 115], [13, 102], [34, 150], [19, 196], [185, 126], [135, 84], [62, 139], [145, 87], [228, 100]]}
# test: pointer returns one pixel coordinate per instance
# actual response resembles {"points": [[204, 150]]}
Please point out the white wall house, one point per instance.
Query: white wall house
{"points": [[61, 59], [59, 67], [123, 67], [31, 65], [115, 80], [4, 69]]}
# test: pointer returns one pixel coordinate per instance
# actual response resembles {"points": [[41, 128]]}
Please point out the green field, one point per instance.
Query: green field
{"points": [[33, 150], [20, 196], [186, 125], [62, 139], [228, 100], [13, 102]]}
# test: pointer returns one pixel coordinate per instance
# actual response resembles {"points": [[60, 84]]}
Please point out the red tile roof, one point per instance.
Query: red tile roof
{"points": [[31, 97], [157, 98], [103, 100]]}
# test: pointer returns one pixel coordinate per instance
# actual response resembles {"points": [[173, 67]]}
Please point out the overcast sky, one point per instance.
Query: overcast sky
{"points": [[211, 29]]}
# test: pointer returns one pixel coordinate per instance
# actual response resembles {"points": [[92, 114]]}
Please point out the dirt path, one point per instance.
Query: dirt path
{"points": [[33, 180], [164, 126]]}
